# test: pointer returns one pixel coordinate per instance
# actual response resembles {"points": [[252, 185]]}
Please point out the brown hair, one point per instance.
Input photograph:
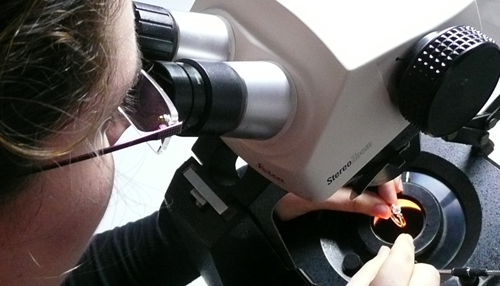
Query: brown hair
{"points": [[54, 66]]}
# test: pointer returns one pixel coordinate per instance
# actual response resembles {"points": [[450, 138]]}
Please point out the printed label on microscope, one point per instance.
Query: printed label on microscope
{"points": [[348, 164]]}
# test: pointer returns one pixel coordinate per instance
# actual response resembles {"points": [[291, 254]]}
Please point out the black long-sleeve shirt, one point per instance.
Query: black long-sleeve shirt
{"points": [[136, 254]]}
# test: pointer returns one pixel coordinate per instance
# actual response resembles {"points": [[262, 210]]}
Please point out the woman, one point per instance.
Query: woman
{"points": [[66, 65]]}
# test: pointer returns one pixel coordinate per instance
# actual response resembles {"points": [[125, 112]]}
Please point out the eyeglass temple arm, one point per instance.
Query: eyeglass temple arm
{"points": [[169, 131]]}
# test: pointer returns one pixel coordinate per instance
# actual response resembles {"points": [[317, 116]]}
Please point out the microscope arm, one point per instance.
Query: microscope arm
{"points": [[224, 217], [475, 133]]}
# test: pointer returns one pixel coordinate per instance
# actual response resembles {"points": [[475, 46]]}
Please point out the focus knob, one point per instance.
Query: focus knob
{"points": [[351, 264], [157, 31], [447, 78]]}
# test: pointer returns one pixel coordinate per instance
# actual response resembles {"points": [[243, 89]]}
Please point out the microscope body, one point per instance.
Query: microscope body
{"points": [[342, 61], [348, 67]]}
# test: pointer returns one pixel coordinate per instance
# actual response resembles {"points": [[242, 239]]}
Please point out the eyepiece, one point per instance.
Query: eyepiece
{"points": [[170, 35], [157, 31], [231, 99]]}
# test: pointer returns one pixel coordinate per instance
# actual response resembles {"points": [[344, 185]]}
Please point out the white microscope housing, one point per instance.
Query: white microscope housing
{"points": [[342, 61]]}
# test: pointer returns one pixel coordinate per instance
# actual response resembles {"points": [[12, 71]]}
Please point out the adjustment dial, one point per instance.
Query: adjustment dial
{"points": [[447, 78]]}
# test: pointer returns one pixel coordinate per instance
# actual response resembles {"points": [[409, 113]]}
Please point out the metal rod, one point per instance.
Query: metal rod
{"points": [[469, 272]]}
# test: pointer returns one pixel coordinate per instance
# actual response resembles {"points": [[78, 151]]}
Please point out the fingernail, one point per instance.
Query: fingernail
{"points": [[383, 249], [400, 185], [405, 237], [382, 211]]}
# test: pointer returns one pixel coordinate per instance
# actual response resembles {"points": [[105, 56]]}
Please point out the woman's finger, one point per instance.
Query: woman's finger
{"points": [[366, 274], [368, 203], [400, 261], [424, 274], [291, 206], [388, 191]]}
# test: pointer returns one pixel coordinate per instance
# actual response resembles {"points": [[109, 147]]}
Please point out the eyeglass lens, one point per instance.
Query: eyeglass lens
{"points": [[150, 109]]}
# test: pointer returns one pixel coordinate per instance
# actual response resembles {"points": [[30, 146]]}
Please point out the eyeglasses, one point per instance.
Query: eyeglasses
{"points": [[152, 114]]}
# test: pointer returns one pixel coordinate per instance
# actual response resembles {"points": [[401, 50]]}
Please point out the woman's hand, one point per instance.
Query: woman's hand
{"points": [[396, 267], [369, 203]]}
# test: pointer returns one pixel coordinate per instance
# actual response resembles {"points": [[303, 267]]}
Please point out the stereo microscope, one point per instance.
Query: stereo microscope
{"points": [[317, 96]]}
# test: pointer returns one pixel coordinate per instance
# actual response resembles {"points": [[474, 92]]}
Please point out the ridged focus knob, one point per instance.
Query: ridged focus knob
{"points": [[157, 31], [447, 78]]}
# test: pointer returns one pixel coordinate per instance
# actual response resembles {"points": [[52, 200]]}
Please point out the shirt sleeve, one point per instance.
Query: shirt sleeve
{"points": [[135, 255]]}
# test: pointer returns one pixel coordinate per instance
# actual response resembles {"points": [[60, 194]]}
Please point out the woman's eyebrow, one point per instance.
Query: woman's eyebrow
{"points": [[137, 69], [137, 72], [131, 82]]}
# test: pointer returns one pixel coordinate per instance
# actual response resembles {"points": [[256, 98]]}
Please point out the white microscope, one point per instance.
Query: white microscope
{"points": [[313, 97]]}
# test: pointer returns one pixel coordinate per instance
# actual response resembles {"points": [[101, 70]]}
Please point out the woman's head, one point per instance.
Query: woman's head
{"points": [[65, 65], [54, 69]]}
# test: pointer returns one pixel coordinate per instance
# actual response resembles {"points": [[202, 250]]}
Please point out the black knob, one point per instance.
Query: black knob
{"points": [[447, 78], [157, 32], [468, 281], [351, 264]]}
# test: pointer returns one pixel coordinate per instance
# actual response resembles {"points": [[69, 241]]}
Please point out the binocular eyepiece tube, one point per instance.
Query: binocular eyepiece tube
{"points": [[172, 35], [231, 99], [190, 53]]}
